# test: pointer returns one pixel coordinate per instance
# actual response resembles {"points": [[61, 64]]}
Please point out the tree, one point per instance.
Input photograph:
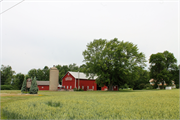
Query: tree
{"points": [[46, 73], [6, 75], [23, 88], [32, 73], [142, 79], [17, 81], [112, 61], [161, 66], [34, 88]]}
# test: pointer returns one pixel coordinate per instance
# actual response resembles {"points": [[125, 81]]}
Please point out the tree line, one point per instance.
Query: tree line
{"points": [[9, 77], [114, 62]]}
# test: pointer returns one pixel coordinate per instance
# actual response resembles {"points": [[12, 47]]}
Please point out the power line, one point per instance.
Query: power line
{"points": [[11, 7]]}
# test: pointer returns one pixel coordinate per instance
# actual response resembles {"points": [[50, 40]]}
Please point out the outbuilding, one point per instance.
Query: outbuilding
{"points": [[43, 85], [79, 80]]}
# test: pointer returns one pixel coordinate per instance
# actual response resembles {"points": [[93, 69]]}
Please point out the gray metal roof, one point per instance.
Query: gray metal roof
{"points": [[81, 75], [42, 82]]}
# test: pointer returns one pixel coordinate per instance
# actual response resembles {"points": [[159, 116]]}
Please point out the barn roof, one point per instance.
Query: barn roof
{"points": [[81, 75], [42, 82]]}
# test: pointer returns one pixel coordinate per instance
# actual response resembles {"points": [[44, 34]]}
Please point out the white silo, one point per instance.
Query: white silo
{"points": [[53, 79]]}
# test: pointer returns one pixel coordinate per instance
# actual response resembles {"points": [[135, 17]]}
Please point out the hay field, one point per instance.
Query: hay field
{"points": [[155, 104]]}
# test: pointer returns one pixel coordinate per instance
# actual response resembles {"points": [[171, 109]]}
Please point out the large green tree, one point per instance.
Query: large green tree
{"points": [[161, 67], [18, 80], [114, 62], [6, 75]]}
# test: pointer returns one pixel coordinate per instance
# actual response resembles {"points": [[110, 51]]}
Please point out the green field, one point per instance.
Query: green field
{"points": [[147, 104]]}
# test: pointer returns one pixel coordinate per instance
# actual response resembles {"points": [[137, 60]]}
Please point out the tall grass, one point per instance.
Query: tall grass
{"points": [[98, 105]]}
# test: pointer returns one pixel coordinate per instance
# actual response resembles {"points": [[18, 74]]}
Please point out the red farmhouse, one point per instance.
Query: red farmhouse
{"points": [[74, 79]]}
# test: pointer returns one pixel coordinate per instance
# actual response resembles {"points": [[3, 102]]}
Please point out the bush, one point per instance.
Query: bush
{"points": [[148, 87], [80, 89], [6, 87], [74, 89], [177, 86], [34, 88], [23, 88]]}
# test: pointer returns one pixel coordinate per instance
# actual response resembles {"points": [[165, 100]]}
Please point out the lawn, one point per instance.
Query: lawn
{"points": [[137, 104]]}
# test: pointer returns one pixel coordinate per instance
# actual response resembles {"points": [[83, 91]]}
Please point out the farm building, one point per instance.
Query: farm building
{"points": [[43, 85], [79, 80]]}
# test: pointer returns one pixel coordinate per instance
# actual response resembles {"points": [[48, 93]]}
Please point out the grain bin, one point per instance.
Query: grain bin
{"points": [[53, 78]]}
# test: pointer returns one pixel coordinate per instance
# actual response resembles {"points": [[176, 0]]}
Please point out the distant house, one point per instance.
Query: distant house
{"points": [[152, 82]]}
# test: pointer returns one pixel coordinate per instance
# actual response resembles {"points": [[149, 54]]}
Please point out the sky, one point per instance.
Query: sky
{"points": [[34, 34]]}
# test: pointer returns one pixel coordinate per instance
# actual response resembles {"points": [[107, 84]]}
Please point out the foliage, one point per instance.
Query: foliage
{"points": [[17, 81], [80, 105], [6, 75], [142, 80], [23, 88], [34, 88], [161, 65], [7, 87], [114, 62]]}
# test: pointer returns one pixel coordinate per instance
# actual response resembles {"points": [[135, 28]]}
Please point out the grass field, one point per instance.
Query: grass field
{"points": [[147, 104]]}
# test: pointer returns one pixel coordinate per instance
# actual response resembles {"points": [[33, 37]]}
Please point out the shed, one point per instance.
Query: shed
{"points": [[43, 85]]}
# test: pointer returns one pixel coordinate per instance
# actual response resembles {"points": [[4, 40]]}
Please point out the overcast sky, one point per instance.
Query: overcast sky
{"points": [[47, 33]]}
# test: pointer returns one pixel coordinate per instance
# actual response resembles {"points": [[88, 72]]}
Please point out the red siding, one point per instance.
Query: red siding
{"points": [[43, 87], [104, 88], [86, 84], [67, 81], [115, 88]]}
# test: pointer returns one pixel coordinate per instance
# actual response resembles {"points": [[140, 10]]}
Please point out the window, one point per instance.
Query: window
{"points": [[70, 87], [82, 87], [87, 87], [67, 87], [79, 87], [64, 86], [93, 87], [42, 87], [114, 86]]}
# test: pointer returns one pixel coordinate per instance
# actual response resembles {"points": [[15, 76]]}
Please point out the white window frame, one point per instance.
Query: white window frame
{"points": [[70, 87], [78, 87], [87, 87], [67, 87], [82, 87], [93, 87]]}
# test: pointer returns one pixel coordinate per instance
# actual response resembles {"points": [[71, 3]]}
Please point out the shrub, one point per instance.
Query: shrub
{"points": [[74, 89], [34, 88], [148, 87], [6, 87], [80, 89], [23, 88], [177, 86]]}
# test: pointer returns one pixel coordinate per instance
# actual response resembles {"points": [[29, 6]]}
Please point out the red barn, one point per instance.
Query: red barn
{"points": [[43, 85], [74, 79]]}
